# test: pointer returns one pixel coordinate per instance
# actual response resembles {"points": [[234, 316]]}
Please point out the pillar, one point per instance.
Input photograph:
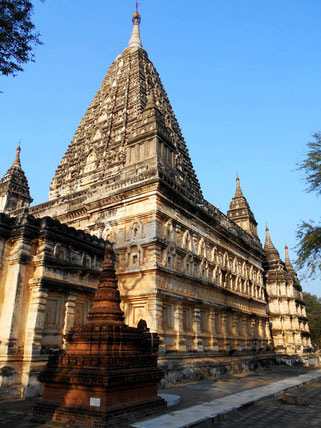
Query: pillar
{"points": [[198, 341], [33, 360], [155, 317], [268, 334], [15, 295], [69, 320], [262, 332], [212, 328], [235, 324], [245, 332], [179, 327], [254, 332], [225, 331]]}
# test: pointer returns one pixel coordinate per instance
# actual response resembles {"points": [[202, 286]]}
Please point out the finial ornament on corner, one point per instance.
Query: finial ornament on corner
{"points": [[17, 157]]}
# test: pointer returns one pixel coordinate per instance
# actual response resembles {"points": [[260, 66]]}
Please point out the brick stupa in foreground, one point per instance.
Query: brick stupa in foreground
{"points": [[109, 373]]}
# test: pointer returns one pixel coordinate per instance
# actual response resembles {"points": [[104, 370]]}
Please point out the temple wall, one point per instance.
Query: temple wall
{"points": [[49, 273], [197, 289]]}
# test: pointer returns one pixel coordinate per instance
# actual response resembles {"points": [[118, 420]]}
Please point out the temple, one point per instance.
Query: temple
{"points": [[199, 278]]}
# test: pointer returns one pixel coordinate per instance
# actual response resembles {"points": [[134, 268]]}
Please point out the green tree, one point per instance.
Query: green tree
{"points": [[18, 35], [313, 308], [309, 233]]}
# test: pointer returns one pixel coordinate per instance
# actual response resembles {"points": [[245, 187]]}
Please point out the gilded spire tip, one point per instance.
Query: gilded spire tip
{"points": [[135, 41], [136, 19]]}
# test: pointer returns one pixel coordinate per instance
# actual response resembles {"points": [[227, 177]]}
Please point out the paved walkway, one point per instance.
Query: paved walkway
{"points": [[203, 391], [300, 408], [200, 400], [202, 415]]}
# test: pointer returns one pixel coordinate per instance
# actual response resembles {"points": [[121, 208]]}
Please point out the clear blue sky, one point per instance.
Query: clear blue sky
{"points": [[243, 78]]}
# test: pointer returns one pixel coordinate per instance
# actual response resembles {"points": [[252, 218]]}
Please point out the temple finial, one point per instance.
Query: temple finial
{"points": [[136, 17], [238, 192], [267, 235], [135, 41], [269, 248], [288, 263], [17, 158]]}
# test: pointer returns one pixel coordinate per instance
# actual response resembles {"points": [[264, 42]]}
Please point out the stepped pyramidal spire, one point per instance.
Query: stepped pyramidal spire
{"points": [[240, 211], [129, 133]]}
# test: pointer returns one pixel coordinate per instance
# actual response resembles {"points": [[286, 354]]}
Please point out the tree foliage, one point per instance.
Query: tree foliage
{"points": [[309, 234], [312, 165], [309, 251], [313, 308], [18, 35]]}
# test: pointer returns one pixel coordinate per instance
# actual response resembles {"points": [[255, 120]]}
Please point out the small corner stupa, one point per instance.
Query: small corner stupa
{"points": [[240, 212], [14, 187], [109, 373]]}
